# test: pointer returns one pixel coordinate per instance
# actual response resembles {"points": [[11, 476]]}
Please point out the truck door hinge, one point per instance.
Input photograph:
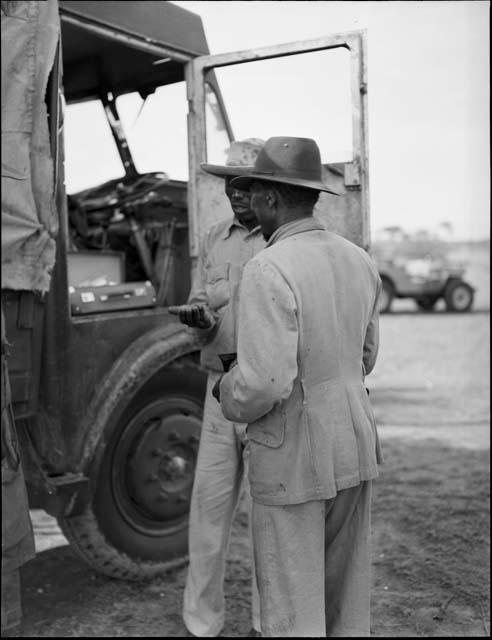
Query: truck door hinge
{"points": [[352, 174]]}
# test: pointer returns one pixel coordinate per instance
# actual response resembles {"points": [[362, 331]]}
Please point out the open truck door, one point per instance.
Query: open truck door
{"points": [[315, 88]]}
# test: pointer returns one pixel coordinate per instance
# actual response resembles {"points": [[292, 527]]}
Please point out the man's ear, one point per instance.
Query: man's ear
{"points": [[271, 197]]}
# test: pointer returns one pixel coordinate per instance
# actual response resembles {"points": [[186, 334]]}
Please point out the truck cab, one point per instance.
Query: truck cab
{"points": [[107, 388]]}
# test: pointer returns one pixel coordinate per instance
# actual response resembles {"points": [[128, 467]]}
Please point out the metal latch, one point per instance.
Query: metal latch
{"points": [[352, 174]]}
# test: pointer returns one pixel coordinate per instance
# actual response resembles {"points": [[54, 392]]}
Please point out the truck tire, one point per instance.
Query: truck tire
{"points": [[135, 525], [458, 296], [387, 295]]}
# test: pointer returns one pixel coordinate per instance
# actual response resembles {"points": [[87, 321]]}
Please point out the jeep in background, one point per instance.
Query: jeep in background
{"points": [[426, 280]]}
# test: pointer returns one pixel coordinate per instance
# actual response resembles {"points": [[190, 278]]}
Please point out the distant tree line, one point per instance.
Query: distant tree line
{"points": [[423, 243]]}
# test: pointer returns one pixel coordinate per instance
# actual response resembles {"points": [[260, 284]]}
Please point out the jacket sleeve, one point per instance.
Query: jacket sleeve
{"points": [[267, 345], [371, 342]]}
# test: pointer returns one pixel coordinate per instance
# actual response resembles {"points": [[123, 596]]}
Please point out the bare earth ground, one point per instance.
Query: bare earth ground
{"points": [[431, 526]]}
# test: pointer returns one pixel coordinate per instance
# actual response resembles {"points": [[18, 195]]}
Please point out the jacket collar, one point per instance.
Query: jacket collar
{"points": [[296, 226]]}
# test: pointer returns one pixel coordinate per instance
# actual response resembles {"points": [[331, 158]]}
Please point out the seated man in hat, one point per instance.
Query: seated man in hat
{"points": [[222, 454], [307, 336]]}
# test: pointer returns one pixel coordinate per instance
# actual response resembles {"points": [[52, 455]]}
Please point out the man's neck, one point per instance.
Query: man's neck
{"points": [[295, 226], [292, 215], [248, 224]]}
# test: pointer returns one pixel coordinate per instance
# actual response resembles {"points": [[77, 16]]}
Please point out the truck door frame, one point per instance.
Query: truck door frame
{"points": [[356, 173]]}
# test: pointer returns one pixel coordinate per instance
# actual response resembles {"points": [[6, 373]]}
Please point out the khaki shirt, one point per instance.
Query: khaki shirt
{"points": [[225, 250], [307, 336]]}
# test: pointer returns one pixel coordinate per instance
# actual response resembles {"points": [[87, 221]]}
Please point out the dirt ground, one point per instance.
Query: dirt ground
{"points": [[431, 526]]}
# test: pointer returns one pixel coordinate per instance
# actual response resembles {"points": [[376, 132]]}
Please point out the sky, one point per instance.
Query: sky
{"points": [[428, 97]]}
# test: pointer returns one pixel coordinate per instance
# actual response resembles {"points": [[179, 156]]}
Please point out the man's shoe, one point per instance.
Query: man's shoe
{"points": [[254, 633]]}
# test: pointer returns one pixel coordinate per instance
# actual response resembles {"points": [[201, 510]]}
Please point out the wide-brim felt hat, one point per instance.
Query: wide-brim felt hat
{"points": [[241, 156], [295, 161]]}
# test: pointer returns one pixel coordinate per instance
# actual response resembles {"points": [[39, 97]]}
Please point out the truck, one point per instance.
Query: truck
{"points": [[107, 388]]}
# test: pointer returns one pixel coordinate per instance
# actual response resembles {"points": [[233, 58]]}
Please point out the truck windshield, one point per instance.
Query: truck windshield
{"points": [[155, 129], [91, 155]]}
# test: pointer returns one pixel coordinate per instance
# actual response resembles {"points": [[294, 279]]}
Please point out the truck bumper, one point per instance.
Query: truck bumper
{"points": [[64, 495]]}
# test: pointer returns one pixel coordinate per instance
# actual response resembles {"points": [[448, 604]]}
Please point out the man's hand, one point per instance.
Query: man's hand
{"points": [[216, 389], [194, 315]]}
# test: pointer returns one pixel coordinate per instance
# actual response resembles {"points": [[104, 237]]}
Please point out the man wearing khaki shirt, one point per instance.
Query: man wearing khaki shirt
{"points": [[307, 337], [222, 456]]}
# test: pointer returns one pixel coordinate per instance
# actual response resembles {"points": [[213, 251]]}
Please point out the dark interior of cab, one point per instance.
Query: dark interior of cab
{"points": [[142, 218]]}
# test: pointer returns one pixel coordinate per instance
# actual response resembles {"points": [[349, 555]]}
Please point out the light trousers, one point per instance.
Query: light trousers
{"points": [[221, 472], [313, 564]]}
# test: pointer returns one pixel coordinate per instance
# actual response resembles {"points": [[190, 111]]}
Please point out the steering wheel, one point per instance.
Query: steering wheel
{"points": [[121, 194], [139, 191]]}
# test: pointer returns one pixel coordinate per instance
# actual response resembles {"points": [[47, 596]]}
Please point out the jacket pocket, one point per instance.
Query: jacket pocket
{"points": [[269, 430], [217, 285]]}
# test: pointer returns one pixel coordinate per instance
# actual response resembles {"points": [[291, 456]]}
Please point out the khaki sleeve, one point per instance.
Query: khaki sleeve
{"points": [[267, 345], [371, 342], [198, 294]]}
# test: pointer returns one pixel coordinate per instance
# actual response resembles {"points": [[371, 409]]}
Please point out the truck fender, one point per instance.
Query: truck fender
{"points": [[451, 279], [136, 366]]}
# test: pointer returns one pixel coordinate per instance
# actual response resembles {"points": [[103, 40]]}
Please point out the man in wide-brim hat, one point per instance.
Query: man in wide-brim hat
{"points": [[222, 455], [307, 336]]}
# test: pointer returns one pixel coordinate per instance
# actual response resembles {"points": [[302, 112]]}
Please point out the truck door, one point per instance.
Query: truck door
{"points": [[315, 89]]}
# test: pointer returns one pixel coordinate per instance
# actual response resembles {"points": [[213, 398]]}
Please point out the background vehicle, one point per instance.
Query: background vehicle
{"points": [[426, 282], [421, 266], [106, 386]]}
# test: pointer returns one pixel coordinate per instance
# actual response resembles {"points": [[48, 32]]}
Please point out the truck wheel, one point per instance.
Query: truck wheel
{"points": [[135, 525], [458, 296], [386, 296], [426, 304]]}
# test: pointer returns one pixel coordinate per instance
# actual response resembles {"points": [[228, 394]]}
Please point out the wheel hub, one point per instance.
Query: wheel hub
{"points": [[460, 297], [154, 463]]}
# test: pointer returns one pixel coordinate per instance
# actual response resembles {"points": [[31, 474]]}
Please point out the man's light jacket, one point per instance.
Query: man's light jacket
{"points": [[307, 336]]}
